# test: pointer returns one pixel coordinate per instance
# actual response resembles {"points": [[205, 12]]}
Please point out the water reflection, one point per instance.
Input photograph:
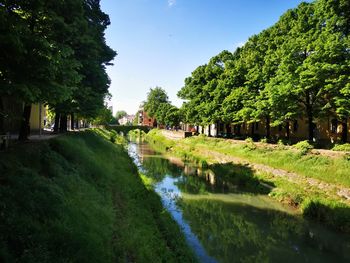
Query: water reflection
{"points": [[241, 233], [227, 217]]}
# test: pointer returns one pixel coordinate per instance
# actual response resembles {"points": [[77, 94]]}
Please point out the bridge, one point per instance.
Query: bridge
{"points": [[126, 128]]}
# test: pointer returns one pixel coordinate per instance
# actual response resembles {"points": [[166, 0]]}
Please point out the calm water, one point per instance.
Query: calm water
{"points": [[225, 219]]}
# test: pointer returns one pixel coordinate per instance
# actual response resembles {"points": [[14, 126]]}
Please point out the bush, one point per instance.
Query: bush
{"points": [[304, 147], [342, 147], [264, 140], [250, 145]]}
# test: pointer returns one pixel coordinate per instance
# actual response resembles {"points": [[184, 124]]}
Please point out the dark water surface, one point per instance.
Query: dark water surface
{"points": [[225, 219]]}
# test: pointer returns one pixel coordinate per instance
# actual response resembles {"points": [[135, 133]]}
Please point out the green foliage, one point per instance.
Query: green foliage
{"points": [[249, 145], [264, 140], [156, 98], [120, 114], [158, 106], [299, 67], [81, 192], [342, 147], [304, 147], [104, 117], [61, 47]]}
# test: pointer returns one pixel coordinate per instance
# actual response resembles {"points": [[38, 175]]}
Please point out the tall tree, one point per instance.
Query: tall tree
{"points": [[156, 99], [334, 58], [297, 85], [37, 29], [91, 50]]}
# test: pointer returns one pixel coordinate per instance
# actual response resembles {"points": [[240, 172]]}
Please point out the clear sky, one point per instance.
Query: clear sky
{"points": [[160, 42]]}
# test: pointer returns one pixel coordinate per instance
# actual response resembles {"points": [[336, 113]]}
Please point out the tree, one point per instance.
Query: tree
{"points": [[91, 50], [155, 98], [297, 89], [333, 60], [120, 114], [33, 31], [172, 117], [104, 117]]}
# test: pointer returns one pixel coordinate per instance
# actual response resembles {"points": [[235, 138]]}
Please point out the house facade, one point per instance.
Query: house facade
{"points": [[12, 115], [326, 131], [145, 120]]}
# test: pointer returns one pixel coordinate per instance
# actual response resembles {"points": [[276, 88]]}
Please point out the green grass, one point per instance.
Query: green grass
{"points": [[79, 198], [332, 170], [312, 202]]}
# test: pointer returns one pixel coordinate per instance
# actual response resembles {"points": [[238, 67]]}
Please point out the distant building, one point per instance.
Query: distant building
{"points": [[145, 120], [127, 120]]}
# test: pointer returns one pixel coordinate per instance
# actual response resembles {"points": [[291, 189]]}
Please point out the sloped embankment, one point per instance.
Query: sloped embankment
{"points": [[78, 198], [316, 185]]}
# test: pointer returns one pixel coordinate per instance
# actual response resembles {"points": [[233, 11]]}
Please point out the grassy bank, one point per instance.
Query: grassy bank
{"points": [[312, 202], [78, 198]]}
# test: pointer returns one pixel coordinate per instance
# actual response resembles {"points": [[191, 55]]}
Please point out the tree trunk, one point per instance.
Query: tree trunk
{"points": [[2, 117], [344, 134], [63, 123], [310, 117], [287, 130], [268, 128], [228, 129], [310, 124], [237, 128], [252, 129], [72, 121], [209, 130], [25, 123]]}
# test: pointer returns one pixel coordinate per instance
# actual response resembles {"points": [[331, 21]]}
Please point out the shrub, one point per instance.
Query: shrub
{"points": [[304, 147], [342, 147], [249, 144], [263, 140]]}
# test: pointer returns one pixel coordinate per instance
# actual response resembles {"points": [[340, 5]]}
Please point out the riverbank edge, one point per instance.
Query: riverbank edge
{"points": [[311, 203], [80, 198]]}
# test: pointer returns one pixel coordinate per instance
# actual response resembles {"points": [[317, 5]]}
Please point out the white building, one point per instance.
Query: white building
{"points": [[127, 120]]}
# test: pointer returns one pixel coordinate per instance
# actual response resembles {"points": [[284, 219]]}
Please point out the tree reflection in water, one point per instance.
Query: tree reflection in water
{"points": [[240, 233], [228, 210]]}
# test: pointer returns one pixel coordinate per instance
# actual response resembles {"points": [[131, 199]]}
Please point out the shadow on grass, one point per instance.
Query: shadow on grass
{"points": [[333, 214]]}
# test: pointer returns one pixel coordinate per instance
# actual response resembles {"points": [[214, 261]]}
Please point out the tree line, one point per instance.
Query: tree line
{"points": [[299, 67], [158, 106], [54, 52]]}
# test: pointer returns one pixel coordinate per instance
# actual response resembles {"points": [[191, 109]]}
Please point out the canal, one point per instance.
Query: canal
{"points": [[227, 218]]}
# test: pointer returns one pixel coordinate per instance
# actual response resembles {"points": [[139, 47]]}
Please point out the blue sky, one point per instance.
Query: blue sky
{"points": [[160, 42]]}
